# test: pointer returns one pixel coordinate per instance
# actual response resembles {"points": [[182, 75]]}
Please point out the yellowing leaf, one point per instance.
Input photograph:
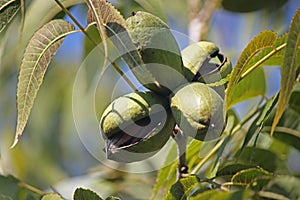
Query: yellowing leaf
{"points": [[8, 9], [263, 40], [289, 68], [38, 54]]}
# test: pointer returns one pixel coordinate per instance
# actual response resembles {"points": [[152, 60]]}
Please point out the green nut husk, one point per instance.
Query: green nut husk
{"points": [[135, 127], [198, 111], [203, 62], [159, 52]]}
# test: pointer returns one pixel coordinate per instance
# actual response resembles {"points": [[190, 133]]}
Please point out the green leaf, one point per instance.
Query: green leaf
{"points": [[251, 86], [295, 97], [247, 176], [265, 114], [111, 24], [276, 53], [38, 54], [100, 10], [166, 176], [222, 195], [52, 197], [46, 11], [181, 189], [232, 169], [289, 68], [259, 157], [263, 40], [106, 12], [8, 9], [12, 188], [287, 186], [249, 6], [85, 194], [288, 128], [259, 121]]}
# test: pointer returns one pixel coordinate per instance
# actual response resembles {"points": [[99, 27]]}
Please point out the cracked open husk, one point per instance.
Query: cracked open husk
{"points": [[203, 62], [136, 126]]}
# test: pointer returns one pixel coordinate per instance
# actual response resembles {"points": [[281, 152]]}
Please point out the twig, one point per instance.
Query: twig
{"points": [[31, 188], [116, 67], [181, 139], [200, 18]]}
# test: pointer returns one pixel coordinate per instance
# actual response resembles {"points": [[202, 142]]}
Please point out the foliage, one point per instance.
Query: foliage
{"points": [[248, 160]]}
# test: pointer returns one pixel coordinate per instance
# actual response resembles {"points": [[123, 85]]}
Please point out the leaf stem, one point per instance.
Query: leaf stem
{"points": [[115, 66], [31, 188], [211, 153], [266, 57]]}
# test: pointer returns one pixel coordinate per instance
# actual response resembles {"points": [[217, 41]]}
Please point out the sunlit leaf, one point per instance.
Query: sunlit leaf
{"points": [[85, 194], [289, 68], [112, 25], [248, 175], [263, 40], [46, 11], [277, 51], [251, 86], [52, 197], [97, 10], [8, 9], [38, 54], [287, 186]]}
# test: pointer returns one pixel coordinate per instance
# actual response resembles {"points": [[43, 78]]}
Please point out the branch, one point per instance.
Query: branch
{"points": [[200, 18]]}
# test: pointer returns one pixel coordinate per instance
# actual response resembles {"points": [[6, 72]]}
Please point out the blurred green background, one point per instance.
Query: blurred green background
{"points": [[50, 153]]}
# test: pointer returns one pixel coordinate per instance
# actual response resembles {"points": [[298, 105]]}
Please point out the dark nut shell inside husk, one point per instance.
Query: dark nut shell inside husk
{"points": [[136, 126], [198, 111], [203, 62]]}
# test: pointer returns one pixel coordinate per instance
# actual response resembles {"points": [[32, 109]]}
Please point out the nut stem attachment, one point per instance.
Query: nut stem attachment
{"points": [[181, 140]]}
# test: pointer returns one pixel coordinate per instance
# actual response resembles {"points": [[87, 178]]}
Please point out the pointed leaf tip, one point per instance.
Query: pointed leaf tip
{"points": [[37, 56], [289, 68]]}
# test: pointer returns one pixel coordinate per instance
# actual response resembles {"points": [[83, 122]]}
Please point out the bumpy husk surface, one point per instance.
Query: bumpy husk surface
{"points": [[198, 110], [135, 126]]}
